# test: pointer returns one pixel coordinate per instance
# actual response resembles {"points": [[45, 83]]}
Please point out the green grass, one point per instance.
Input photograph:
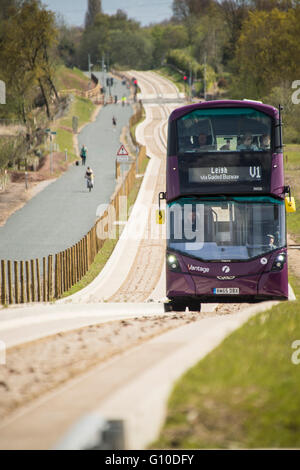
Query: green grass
{"points": [[293, 223], [82, 108], [244, 394], [134, 126], [292, 156], [96, 267], [67, 79], [64, 140], [292, 171]]}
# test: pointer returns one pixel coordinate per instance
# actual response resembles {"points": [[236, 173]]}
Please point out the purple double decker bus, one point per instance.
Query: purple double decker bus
{"points": [[225, 194]]}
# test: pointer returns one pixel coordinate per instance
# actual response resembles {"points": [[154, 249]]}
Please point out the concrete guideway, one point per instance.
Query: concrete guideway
{"points": [[133, 387], [20, 326]]}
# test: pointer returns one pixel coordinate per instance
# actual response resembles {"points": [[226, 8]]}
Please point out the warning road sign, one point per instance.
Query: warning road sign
{"points": [[122, 151]]}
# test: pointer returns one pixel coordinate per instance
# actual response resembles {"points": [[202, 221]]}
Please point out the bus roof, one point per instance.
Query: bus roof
{"points": [[264, 108]]}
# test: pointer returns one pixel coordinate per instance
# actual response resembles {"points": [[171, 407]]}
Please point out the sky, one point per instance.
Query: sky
{"points": [[144, 11]]}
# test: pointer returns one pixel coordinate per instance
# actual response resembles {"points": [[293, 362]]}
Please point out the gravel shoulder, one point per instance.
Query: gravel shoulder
{"points": [[38, 367]]}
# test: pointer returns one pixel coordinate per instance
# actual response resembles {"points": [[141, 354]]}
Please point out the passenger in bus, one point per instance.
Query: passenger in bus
{"points": [[226, 146], [202, 139], [247, 143], [265, 142], [205, 142]]}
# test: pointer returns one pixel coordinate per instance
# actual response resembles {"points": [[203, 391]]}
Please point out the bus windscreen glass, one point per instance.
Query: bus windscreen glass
{"points": [[221, 228], [224, 130]]}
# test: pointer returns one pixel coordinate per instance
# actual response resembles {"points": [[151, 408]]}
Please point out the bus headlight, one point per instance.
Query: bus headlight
{"points": [[173, 263], [279, 262]]}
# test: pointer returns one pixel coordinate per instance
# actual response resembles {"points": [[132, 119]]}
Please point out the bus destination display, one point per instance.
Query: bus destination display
{"points": [[225, 174]]}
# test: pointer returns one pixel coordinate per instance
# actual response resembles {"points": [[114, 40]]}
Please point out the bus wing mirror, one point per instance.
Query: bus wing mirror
{"points": [[160, 217], [160, 214], [290, 204]]}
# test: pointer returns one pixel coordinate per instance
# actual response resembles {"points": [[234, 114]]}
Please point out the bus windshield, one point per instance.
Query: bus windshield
{"points": [[224, 130], [226, 228]]}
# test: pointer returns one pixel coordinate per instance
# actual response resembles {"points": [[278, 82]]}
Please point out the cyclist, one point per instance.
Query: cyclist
{"points": [[89, 175]]}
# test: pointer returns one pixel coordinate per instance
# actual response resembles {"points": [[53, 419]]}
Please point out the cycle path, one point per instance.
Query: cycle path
{"points": [[64, 211]]}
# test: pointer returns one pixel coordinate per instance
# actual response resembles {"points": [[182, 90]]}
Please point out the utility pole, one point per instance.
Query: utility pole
{"points": [[205, 76], [103, 75], [190, 82], [107, 62]]}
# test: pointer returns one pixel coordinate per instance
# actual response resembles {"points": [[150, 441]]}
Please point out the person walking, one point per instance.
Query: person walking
{"points": [[114, 122], [83, 154]]}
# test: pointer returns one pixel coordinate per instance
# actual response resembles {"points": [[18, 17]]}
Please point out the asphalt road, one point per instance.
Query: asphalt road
{"points": [[64, 212]]}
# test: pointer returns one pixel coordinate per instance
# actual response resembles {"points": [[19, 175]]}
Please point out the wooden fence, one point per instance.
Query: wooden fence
{"points": [[48, 279], [93, 92]]}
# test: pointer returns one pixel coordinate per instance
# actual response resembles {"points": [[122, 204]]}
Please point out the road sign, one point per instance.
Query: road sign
{"points": [[122, 151], [123, 159]]}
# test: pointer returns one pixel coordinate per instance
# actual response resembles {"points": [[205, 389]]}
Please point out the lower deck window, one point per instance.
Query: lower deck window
{"points": [[237, 228]]}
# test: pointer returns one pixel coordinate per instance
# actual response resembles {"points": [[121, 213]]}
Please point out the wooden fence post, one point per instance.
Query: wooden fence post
{"points": [[61, 286], [16, 278], [45, 291], [10, 286], [38, 279], [33, 292], [56, 292], [22, 279], [27, 281], [3, 283], [64, 270], [50, 283]]}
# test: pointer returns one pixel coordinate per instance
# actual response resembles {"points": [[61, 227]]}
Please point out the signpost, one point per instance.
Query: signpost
{"points": [[122, 157]]}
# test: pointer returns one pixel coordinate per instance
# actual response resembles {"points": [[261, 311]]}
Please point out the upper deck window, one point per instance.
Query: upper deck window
{"points": [[224, 130]]}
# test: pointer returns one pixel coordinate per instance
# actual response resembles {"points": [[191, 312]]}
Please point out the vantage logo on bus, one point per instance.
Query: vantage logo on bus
{"points": [[225, 174]]}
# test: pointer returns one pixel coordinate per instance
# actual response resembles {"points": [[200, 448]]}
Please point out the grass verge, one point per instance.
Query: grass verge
{"points": [[292, 172], [244, 394], [70, 79], [83, 108]]}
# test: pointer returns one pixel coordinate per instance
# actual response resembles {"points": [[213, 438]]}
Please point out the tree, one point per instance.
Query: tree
{"points": [[184, 8], [94, 8], [25, 56], [266, 50]]}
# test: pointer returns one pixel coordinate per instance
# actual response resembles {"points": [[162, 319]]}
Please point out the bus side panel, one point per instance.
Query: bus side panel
{"points": [[277, 175]]}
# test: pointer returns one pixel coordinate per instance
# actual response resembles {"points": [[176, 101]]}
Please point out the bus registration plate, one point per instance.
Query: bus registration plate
{"points": [[226, 291]]}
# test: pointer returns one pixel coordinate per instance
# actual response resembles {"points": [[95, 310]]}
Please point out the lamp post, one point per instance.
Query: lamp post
{"points": [[51, 133]]}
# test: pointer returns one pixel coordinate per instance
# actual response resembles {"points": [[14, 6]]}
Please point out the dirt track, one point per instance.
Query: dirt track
{"points": [[40, 366]]}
